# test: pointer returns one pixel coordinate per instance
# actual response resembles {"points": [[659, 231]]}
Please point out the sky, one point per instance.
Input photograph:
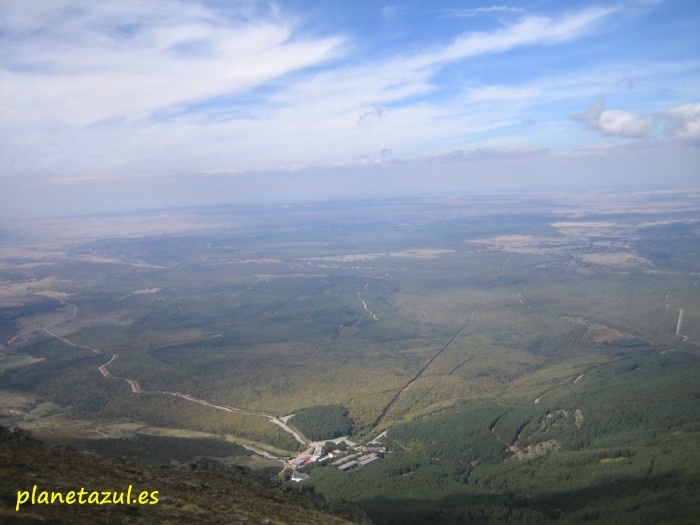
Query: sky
{"points": [[133, 105]]}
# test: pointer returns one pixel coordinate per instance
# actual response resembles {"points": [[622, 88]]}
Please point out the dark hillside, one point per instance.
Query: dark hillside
{"points": [[203, 493]]}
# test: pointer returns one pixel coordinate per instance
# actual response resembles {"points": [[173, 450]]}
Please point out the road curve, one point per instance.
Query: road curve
{"points": [[135, 388]]}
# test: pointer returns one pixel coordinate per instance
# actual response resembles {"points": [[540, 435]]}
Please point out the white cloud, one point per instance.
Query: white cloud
{"points": [[80, 62], [625, 123], [616, 122], [390, 12], [528, 31], [104, 88], [490, 154], [502, 93], [683, 121], [475, 11]]}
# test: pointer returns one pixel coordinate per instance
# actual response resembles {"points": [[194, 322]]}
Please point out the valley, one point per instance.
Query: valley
{"points": [[505, 352]]}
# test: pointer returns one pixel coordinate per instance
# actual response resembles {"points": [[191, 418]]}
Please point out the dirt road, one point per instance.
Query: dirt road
{"points": [[136, 388], [678, 325]]}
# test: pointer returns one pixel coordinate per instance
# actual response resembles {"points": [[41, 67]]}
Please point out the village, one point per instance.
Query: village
{"points": [[339, 453]]}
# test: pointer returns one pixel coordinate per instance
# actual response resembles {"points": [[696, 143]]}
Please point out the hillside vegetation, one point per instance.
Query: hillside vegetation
{"points": [[618, 446]]}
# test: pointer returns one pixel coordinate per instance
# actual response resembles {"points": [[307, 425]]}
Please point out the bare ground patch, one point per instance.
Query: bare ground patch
{"points": [[535, 451]]}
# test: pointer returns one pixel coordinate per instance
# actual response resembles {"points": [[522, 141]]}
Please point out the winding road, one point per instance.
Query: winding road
{"points": [[364, 305], [678, 326], [136, 388]]}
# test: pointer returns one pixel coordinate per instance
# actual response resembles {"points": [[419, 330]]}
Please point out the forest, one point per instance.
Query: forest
{"points": [[621, 447], [323, 422]]}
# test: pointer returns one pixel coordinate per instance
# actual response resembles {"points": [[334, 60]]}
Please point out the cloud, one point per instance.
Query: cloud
{"points": [[391, 12], [490, 154], [502, 93], [81, 62], [528, 31], [680, 122], [102, 88], [476, 11], [317, 114], [368, 116], [683, 122], [616, 122], [625, 123]]}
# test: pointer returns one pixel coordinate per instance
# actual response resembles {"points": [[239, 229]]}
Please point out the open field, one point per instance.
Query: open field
{"points": [[497, 311]]}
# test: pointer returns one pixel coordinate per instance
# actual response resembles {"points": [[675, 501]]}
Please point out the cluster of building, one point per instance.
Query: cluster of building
{"points": [[345, 457], [359, 462]]}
